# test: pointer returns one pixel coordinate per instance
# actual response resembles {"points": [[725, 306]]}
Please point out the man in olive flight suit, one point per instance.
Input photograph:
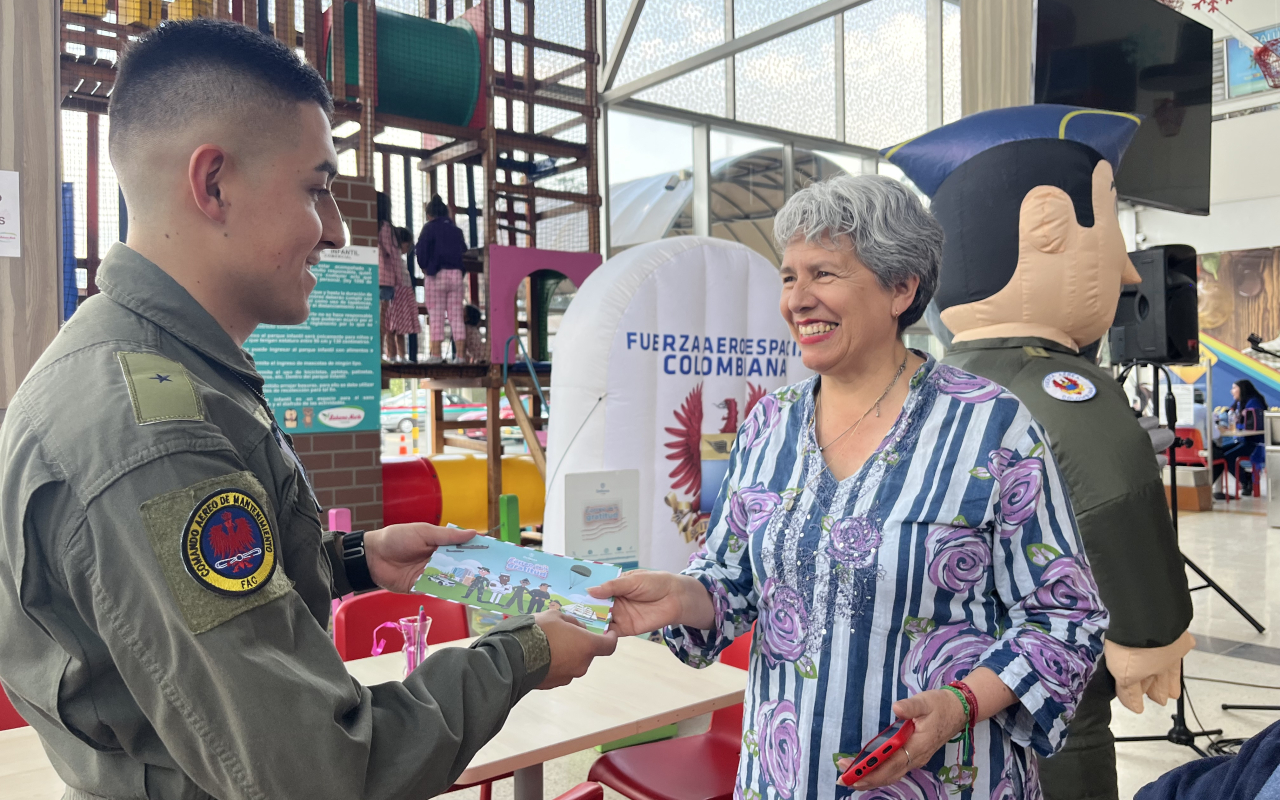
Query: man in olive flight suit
{"points": [[165, 583], [1031, 275]]}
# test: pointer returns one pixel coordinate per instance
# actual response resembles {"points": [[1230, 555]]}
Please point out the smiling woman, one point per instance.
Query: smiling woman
{"points": [[896, 530]]}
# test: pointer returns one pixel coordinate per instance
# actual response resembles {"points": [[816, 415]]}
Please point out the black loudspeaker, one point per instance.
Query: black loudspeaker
{"points": [[1157, 320]]}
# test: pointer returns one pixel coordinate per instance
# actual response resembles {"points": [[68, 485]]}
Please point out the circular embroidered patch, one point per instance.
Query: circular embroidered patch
{"points": [[1069, 386], [227, 544]]}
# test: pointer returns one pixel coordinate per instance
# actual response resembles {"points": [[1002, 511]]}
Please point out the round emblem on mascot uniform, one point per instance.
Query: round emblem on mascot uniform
{"points": [[1069, 386], [227, 545]]}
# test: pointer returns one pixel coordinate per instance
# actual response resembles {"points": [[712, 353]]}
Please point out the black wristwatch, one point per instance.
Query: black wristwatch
{"points": [[354, 562]]}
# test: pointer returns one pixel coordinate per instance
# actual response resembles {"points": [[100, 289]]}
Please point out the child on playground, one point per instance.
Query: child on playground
{"points": [[439, 251]]}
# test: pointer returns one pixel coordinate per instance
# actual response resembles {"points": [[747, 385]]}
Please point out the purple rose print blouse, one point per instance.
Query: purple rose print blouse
{"points": [[953, 547]]}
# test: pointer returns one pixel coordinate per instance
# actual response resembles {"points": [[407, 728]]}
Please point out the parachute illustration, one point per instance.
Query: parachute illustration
{"points": [[578, 569]]}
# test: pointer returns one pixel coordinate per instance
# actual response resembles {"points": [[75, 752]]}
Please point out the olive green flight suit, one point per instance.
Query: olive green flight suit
{"points": [[140, 681], [1118, 495]]}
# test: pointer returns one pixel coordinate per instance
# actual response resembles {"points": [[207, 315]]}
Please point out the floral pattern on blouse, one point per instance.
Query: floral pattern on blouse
{"points": [[954, 546]]}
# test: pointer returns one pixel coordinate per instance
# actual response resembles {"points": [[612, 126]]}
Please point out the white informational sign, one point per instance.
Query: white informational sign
{"points": [[665, 342], [601, 517], [1184, 395], [10, 220]]}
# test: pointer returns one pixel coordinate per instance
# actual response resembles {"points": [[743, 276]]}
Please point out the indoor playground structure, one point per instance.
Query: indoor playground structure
{"points": [[448, 489], [497, 100]]}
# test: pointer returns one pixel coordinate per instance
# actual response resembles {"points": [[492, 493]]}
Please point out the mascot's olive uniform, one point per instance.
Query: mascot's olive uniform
{"points": [[1031, 274]]}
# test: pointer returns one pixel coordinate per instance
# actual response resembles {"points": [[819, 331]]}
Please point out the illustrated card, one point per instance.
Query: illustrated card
{"points": [[493, 575]]}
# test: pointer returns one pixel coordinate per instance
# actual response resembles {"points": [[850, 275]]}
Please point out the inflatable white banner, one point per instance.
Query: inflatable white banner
{"points": [[663, 343]]}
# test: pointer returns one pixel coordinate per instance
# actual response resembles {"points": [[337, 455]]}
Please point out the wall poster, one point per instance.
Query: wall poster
{"points": [[325, 375]]}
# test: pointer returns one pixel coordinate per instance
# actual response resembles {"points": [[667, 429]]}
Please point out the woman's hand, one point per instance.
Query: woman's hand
{"points": [[645, 600], [938, 716]]}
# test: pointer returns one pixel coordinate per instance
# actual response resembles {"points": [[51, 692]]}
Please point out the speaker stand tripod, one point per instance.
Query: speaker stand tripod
{"points": [[1180, 734]]}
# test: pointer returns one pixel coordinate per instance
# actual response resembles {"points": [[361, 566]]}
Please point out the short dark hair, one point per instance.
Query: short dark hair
{"points": [[204, 65], [403, 236], [980, 208]]}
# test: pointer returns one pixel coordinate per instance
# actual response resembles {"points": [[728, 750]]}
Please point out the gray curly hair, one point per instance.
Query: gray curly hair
{"points": [[890, 231]]}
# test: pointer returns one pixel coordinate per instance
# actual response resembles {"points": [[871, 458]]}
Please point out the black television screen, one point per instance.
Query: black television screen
{"points": [[1141, 57]]}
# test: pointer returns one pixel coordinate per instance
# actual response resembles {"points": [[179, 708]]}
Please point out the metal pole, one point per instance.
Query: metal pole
{"points": [[730, 82], [416, 383], [788, 171], [702, 180], [840, 92], [933, 64]]}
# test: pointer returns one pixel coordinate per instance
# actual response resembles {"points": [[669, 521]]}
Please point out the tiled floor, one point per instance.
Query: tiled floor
{"points": [[1234, 547]]}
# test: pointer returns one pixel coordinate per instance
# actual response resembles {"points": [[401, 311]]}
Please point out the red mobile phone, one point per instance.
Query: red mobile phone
{"points": [[880, 753]]}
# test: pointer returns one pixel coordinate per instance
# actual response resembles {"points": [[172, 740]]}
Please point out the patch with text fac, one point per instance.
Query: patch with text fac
{"points": [[1069, 386], [228, 545]]}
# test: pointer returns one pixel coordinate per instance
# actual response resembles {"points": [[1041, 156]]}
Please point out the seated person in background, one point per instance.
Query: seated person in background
{"points": [[1246, 415], [1251, 775]]}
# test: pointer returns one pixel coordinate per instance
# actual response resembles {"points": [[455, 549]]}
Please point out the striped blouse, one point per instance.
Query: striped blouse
{"points": [[953, 547]]}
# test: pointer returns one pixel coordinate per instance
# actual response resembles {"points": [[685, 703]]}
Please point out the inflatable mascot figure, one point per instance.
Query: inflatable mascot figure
{"points": [[1031, 275]]}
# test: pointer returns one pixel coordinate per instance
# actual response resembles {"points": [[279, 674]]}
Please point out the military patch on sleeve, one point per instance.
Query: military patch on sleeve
{"points": [[160, 388], [216, 542], [228, 545]]}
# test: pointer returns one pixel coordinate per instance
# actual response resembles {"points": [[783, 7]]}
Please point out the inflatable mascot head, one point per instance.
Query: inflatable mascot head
{"points": [[1027, 199]]}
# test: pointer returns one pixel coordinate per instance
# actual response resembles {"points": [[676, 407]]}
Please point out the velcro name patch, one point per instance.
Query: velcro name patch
{"points": [[160, 389]]}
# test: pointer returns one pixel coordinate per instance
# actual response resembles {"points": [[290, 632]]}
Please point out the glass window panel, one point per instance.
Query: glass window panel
{"points": [[950, 61], [918, 337], [650, 178], [615, 11], [108, 192], [885, 168], [827, 164], [789, 83], [669, 31], [413, 7], [746, 190], [547, 118], [701, 91], [884, 72], [75, 170], [562, 21], [752, 15]]}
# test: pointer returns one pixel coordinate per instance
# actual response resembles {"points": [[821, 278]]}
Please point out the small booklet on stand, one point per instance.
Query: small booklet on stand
{"points": [[493, 575]]}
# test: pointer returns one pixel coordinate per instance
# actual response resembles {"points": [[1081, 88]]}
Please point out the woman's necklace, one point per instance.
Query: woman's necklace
{"points": [[790, 502], [875, 407]]}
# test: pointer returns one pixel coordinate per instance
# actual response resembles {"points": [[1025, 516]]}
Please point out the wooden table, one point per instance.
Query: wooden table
{"points": [[641, 687]]}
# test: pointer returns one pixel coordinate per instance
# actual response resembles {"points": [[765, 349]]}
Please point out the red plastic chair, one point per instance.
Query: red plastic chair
{"points": [[584, 791], [1189, 455], [1257, 462], [9, 716], [357, 618], [702, 767]]}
